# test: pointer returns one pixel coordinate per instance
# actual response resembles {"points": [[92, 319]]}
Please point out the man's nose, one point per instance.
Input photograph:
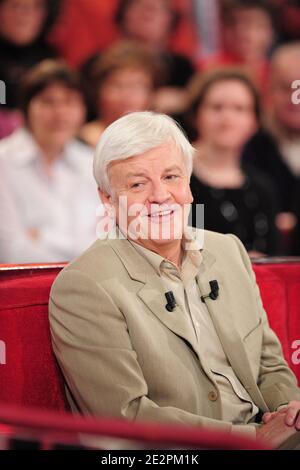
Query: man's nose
{"points": [[159, 193]]}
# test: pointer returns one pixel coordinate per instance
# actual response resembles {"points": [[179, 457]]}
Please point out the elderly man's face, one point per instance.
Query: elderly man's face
{"points": [[151, 195]]}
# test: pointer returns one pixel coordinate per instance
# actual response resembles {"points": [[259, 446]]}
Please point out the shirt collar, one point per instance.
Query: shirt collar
{"points": [[192, 257]]}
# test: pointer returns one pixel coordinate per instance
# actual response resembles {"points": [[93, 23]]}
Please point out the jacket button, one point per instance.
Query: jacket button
{"points": [[213, 396]]}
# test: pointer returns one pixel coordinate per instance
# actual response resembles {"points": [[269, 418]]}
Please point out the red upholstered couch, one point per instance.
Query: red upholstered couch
{"points": [[29, 374]]}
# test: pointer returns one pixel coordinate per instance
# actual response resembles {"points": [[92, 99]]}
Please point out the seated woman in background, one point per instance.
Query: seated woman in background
{"points": [[226, 113], [24, 25], [48, 198], [120, 81]]}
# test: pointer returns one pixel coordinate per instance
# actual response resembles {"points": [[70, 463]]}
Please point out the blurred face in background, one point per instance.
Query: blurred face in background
{"points": [[226, 117], [148, 21], [285, 70], [249, 35], [55, 115], [124, 90], [22, 21]]}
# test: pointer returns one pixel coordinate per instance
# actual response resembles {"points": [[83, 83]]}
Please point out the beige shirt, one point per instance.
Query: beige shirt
{"points": [[237, 406]]}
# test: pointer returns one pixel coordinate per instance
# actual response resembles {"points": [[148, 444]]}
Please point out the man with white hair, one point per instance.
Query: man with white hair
{"points": [[149, 326]]}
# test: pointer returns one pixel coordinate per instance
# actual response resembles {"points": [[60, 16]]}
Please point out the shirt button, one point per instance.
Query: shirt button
{"points": [[213, 396]]}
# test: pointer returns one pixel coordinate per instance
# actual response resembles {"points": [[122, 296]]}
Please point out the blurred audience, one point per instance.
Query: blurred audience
{"points": [[93, 22], [137, 55], [248, 28], [295, 238], [288, 14], [226, 112], [152, 22], [24, 25], [84, 28], [276, 149], [207, 21], [120, 81], [48, 198]]}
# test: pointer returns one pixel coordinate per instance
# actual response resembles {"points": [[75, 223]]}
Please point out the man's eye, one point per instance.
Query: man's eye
{"points": [[136, 185], [172, 177]]}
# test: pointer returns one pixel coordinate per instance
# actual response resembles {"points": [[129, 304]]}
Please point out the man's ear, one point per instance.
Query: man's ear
{"points": [[104, 197]]}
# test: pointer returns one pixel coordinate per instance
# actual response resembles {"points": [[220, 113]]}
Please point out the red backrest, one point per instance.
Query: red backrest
{"points": [[29, 374], [280, 291]]}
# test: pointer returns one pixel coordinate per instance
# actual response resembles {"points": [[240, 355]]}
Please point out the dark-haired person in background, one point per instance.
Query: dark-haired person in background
{"points": [[121, 80], [226, 113], [48, 199], [24, 25]]}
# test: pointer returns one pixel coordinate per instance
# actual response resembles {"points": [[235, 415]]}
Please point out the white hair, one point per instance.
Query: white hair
{"points": [[134, 134]]}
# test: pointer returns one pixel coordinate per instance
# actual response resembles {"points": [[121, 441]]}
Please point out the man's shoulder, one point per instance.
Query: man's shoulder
{"points": [[98, 263], [226, 248], [216, 241]]}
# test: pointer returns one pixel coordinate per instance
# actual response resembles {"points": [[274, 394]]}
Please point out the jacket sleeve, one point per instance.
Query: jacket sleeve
{"points": [[93, 347], [276, 381]]}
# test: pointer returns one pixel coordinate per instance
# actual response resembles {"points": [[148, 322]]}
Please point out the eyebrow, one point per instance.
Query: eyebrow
{"points": [[133, 174], [173, 168]]}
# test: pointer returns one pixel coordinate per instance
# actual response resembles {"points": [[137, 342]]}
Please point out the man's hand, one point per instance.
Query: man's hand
{"points": [[275, 432], [291, 413]]}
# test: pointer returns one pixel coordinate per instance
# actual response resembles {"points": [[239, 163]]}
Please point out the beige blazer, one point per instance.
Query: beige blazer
{"points": [[124, 355]]}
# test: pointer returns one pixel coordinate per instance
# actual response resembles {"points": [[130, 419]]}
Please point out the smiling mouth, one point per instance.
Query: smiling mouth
{"points": [[161, 215]]}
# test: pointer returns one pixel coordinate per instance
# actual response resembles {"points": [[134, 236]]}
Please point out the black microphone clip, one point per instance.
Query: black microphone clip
{"points": [[214, 291], [171, 302]]}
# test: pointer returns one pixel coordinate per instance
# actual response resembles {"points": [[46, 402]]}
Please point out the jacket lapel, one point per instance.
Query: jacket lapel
{"points": [[153, 296], [152, 292], [220, 312]]}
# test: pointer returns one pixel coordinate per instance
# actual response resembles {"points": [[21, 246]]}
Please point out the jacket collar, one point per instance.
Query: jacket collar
{"points": [[134, 261]]}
